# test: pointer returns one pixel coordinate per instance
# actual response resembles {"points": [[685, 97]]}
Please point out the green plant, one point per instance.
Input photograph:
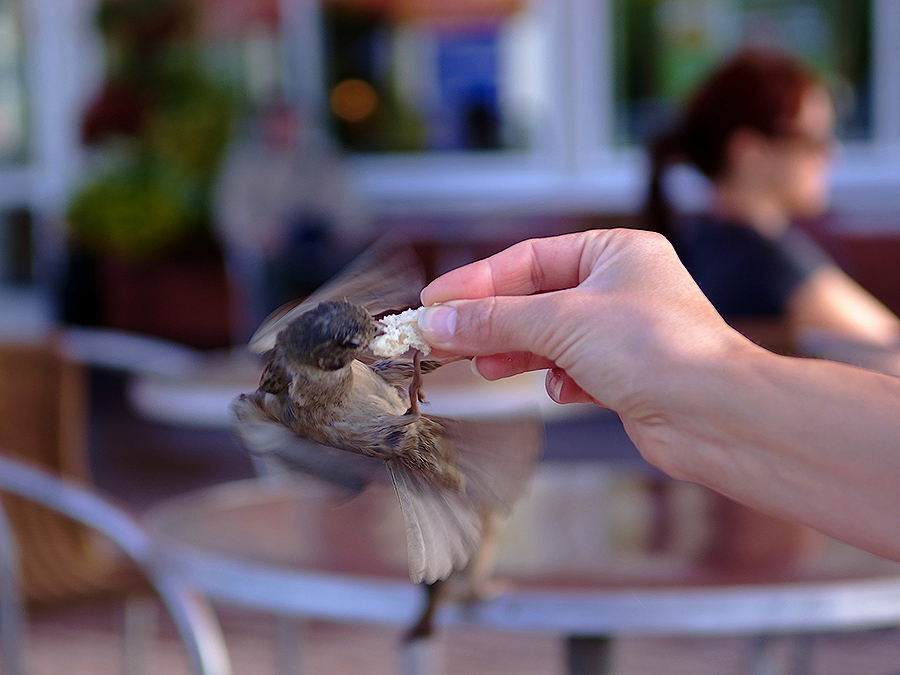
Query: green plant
{"points": [[159, 129]]}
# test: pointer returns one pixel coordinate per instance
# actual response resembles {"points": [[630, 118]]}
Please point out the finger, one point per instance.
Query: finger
{"points": [[441, 354], [532, 266], [563, 389], [497, 366], [495, 325]]}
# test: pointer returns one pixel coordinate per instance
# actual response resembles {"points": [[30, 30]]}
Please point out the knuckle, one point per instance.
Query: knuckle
{"points": [[483, 318]]}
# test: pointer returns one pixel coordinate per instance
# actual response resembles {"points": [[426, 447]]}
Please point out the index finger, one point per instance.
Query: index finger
{"points": [[533, 266]]}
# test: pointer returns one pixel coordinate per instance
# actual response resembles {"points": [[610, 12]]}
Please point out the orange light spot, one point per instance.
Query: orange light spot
{"points": [[353, 100]]}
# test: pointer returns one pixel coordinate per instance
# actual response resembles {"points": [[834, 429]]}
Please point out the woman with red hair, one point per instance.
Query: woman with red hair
{"points": [[761, 129]]}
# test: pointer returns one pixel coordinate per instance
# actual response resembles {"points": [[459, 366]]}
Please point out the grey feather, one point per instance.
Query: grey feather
{"points": [[385, 278], [497, 457], [442, 527], [320, 386], [278, 445]]}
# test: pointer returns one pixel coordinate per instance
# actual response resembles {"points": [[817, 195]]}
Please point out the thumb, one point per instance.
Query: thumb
{"points": [[487, 326]]}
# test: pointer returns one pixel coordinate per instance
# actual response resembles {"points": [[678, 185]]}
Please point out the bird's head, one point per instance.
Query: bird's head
{"points": [[329, 336]]}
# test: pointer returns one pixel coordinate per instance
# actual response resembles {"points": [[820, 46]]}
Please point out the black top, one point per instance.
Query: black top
{"points": [[743, 273]]}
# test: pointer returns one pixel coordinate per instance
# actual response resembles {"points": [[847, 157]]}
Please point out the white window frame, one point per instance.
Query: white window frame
{"points": [[62, 68], [867, 176], [577, 169]]}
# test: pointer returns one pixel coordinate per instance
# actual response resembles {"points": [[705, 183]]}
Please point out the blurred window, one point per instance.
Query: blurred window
{"points": [[15, 226], [664, 47], [13, 99], [420, 75]]}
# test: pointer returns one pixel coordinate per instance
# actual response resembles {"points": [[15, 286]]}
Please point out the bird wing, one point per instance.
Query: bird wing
{"points": [[443, 527], [386, 278], [497, 458], [265, 437]]}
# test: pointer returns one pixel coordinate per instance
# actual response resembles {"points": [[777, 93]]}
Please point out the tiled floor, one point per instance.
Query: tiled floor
{"points": [[87, 641]]}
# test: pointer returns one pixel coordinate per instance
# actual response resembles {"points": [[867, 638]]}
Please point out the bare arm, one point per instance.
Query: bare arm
{"points": [[806, 440], [830, 300], [619, 321]]}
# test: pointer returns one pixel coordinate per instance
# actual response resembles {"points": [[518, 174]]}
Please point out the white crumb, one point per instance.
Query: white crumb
{"points": [[401, 333]]}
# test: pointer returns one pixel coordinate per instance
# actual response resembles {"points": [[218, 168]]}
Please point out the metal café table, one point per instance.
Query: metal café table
{"points": [[569, 560]]}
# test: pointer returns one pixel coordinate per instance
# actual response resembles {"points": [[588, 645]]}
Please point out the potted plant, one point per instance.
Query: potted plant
{"points": [[157, 131]]}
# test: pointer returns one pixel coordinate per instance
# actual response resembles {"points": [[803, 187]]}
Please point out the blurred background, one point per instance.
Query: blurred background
{"points": [[177, 169], [467, 124]]}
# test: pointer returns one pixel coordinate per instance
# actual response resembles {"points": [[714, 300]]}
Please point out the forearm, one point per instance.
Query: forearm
{"points": [[831, 301], [755, 429]]}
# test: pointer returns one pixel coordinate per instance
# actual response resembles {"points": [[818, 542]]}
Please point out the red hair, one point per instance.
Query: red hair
{"points": [[756, 89]]}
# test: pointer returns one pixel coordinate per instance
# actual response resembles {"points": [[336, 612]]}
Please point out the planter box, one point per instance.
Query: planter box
{"points": [[185, 298]]}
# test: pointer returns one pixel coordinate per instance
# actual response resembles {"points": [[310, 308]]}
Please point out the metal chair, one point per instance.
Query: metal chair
{"points": [[194, 619]]}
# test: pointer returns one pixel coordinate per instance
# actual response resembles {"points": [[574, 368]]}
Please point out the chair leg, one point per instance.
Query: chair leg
{"points": [[141, 619], [762, 656], [12, 629], [589, 655], [419, 656], [196, 621], [12, 609], [763, 659], [289, 634], [802, 657]]}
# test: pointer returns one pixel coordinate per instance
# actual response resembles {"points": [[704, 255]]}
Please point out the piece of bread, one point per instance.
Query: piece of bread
{"points": [[400, 334]]}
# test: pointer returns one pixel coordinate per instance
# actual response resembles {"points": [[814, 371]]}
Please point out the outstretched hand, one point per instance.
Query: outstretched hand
{"points": [[616, 319], [611, 313]]}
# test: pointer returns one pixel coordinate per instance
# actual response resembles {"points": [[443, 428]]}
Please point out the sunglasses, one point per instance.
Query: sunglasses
{"points": [[808, 142]]}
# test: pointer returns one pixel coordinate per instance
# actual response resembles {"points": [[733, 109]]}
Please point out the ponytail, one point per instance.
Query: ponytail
{"points": [[757, 89], [664, 151]]}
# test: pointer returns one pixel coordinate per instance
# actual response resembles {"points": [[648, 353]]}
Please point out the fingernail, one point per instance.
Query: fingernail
{"points": [[473, 364], [554, 384], [438, 324]]}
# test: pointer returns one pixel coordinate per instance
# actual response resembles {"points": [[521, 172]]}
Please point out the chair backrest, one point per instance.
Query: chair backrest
{"points": [[12, 615], [199, 630], [43, 421], [43, 407]]}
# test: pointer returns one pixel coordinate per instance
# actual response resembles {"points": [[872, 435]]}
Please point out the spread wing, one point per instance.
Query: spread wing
{"points": [[385, 278], [265, 437], [498, 458], [444, 526]]}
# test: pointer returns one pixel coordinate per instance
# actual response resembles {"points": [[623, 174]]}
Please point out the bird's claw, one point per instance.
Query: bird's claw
{"points": [[416, 395]]}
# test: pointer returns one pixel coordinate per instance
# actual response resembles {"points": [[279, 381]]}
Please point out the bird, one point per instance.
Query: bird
{"points": [[326, 405]]}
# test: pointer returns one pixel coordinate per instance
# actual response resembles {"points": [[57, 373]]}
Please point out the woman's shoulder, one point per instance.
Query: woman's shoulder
{"points": [[702, 236], [720, 235], [713, 229], [743, 272]]}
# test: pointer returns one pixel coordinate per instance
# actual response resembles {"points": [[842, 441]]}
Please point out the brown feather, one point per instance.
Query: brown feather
{"points": [[321, 400]]}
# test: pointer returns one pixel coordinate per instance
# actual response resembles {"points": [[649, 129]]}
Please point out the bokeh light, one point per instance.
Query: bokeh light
{"points": [[353, 100]]}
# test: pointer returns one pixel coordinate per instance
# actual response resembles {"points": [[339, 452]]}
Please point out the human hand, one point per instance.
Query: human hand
{"points": [[612, 314], [618, 320]]}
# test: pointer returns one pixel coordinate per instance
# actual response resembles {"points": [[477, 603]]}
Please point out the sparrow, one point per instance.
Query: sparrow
{"points": [[326, 405]]}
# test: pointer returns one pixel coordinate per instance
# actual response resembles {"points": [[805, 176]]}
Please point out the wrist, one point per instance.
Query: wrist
{"points": [[698, 403]]}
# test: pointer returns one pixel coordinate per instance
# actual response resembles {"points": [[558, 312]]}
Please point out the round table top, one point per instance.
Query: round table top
{"points": [[573, 560]]}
